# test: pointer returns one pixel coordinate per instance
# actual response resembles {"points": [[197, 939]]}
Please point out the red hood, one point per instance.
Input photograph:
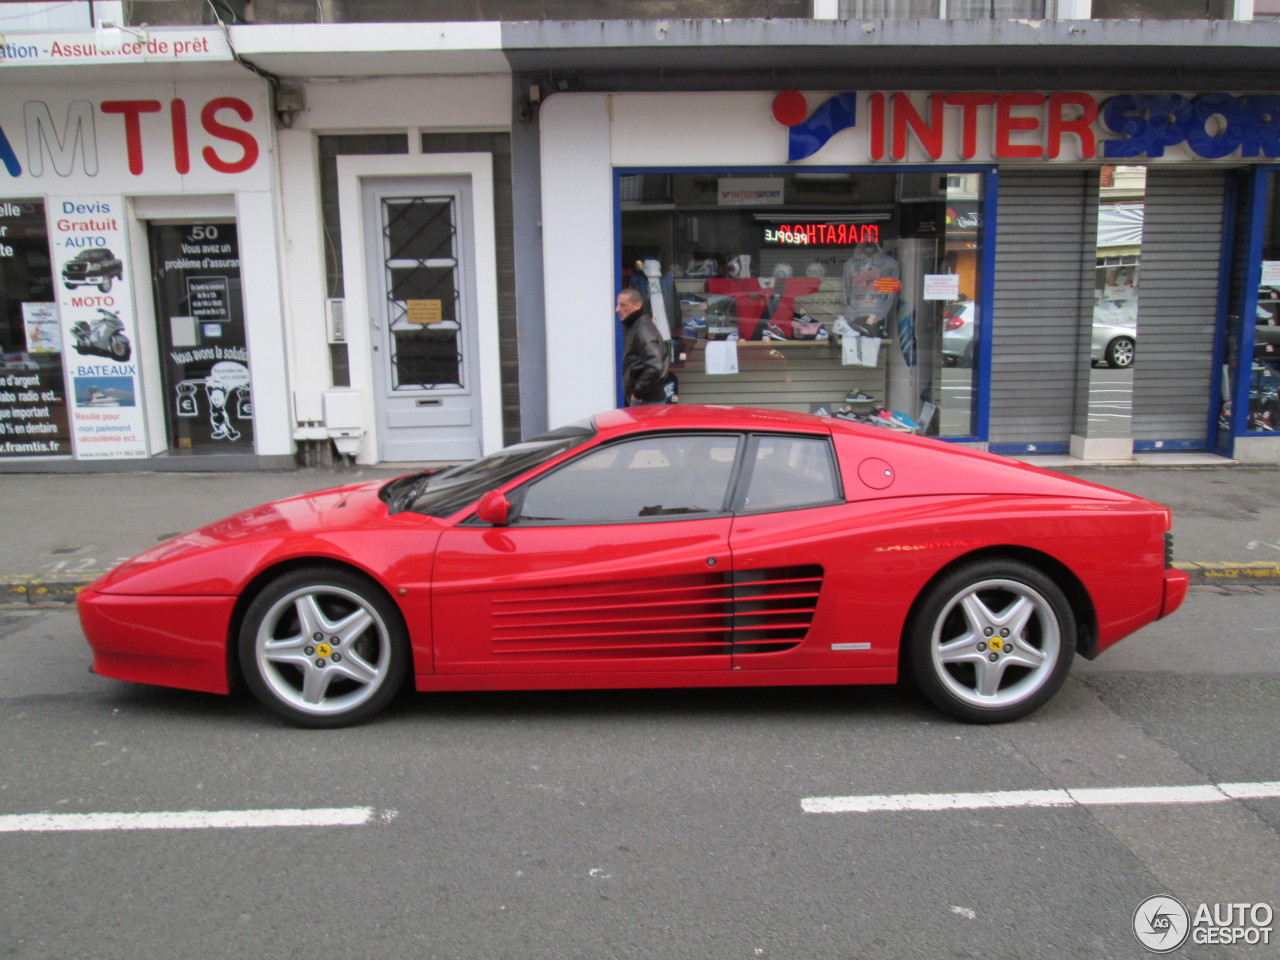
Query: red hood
{"points": [[229, 550]]}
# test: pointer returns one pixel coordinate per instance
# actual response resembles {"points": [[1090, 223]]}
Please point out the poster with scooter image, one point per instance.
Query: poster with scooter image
{"points": [[95, 304]]}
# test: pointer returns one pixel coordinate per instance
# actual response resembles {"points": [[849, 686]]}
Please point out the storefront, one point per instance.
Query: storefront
{"points": [[140, 308], [1032, 272], [846, 293]]}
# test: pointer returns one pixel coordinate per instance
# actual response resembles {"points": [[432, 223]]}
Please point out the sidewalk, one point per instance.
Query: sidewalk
{"points": [[62, 530]]}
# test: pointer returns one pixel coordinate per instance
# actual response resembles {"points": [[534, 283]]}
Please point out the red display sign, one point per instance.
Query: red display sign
{"points": [[823, 234]]}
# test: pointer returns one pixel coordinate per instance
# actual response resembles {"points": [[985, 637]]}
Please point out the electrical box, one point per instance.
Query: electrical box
{"points": [[342, 409], [335, 319], [308, 406]]}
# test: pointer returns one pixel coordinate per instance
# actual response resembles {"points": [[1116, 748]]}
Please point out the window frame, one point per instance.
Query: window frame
{"points": [[736, 488], [516, 497], [738, 501]]}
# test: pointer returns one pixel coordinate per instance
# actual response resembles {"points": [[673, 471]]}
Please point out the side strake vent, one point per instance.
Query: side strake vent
{"points": [[752, 611], [773, 609]]}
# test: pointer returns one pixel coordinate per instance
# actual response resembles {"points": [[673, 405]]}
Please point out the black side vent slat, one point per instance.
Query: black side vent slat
{"points": [[773, 608], [749, 611]]}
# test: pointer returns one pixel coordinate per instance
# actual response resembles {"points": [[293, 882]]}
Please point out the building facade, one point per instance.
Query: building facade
{"points": [[234, 245]]}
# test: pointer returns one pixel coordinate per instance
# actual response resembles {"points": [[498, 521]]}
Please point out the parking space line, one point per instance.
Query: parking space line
{"points": [[193, 819], [1004, 799]]}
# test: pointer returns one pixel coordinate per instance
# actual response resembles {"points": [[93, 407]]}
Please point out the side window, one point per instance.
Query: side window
{"points": [[651, 476], [791, 472]]}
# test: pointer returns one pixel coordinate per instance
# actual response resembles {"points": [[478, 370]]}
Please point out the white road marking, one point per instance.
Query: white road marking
{"points": [[900, 802], [192, 819]]}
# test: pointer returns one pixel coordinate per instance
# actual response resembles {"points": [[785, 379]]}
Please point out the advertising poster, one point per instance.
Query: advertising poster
{"points": [[33, 396], [205, 365], [98, 326]]}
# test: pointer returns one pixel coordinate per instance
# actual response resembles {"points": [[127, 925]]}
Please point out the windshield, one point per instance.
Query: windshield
{"points": [[444, 494]]}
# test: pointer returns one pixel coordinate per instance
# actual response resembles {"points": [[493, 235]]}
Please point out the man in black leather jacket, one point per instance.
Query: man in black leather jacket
{"points": [[644, 354]]}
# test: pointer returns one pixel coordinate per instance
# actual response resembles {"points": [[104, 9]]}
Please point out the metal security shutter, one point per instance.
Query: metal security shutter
{"points": [[1044, 261], [1177, 306]]}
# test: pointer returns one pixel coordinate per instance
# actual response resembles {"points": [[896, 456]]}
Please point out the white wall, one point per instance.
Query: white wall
{"points": [[409, 105], [578, 248]]}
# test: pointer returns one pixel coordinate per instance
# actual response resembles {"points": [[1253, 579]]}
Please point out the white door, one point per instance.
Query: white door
{"points": [[419, 235]]}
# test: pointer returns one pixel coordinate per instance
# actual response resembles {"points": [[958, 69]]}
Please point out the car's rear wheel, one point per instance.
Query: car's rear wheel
{"points": [[104, 284], [991, 641], [323, 648], [1120, 353]]}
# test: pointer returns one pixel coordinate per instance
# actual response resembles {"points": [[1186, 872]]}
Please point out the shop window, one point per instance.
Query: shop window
{"points": [[195, 268], [33, 395], [850, 294], [947, 9], [1162, 9], [1263, 415]]}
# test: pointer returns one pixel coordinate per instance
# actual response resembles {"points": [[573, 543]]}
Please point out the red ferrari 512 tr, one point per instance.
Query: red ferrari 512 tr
{"points": [[662, 546]]}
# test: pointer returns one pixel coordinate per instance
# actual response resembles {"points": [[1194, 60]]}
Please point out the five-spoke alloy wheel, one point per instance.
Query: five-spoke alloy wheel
{"points": [[991, 641], [323, 648]]}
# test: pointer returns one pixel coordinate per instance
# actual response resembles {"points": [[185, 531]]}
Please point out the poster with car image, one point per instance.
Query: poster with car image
{"points": [[205, 365], [98, 326]]}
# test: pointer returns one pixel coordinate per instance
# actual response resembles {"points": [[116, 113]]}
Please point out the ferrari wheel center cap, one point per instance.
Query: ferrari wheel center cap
{"points": [[323, 650], [995, 643]]}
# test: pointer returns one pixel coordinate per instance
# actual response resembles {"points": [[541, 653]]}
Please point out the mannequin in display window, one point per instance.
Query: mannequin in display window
{"points": [[659, 289], [871, 288]]}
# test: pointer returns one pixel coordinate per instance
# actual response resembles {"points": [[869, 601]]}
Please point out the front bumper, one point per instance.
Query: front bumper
{"points": [[169, 641]]}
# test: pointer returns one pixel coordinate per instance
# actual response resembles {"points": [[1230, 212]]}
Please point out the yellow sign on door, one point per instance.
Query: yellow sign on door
{"points": [[424, 311]]}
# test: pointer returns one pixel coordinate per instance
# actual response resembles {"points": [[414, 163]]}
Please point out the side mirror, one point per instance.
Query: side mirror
{"points": [[493, 508]]}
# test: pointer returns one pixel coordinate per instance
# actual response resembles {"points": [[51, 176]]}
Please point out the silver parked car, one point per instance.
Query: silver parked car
{"points": [[1115, 333], [958, 325]]}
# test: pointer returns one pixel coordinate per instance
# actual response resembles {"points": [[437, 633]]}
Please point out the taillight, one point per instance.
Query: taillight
{"points": [[955, 323]]}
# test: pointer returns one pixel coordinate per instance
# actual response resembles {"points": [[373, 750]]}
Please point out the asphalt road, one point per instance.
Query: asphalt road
{"points": [[640, 824]]}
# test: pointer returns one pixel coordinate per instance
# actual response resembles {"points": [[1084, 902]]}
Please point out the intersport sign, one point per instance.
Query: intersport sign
{"points": [[921, 126]]}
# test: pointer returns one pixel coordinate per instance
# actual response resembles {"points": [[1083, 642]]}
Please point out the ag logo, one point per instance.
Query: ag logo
{"points": [[1161, 924]]}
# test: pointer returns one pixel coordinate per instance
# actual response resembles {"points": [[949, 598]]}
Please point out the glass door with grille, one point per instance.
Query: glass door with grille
{"points": [[423, 312]]}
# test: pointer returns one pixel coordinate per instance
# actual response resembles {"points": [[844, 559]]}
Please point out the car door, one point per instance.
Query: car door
{"points": [[615, 562], [794, 545]]}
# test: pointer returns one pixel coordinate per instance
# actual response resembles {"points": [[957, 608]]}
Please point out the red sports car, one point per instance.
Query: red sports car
{"points": [[662, 546]]}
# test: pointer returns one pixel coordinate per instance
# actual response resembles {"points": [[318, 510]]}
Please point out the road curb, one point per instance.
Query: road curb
{"points": [[39, 590], [1258, 573]]}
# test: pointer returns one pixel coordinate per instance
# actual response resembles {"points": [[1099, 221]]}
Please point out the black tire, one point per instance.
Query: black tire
{"points": [[994, 608], [120, 348], [104, 284], [1120, 353], [323, 648]]}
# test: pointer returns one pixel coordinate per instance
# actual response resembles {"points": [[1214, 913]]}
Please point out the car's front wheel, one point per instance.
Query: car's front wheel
{"points": [[991, 641], [1120, 353], [323, 648]]}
